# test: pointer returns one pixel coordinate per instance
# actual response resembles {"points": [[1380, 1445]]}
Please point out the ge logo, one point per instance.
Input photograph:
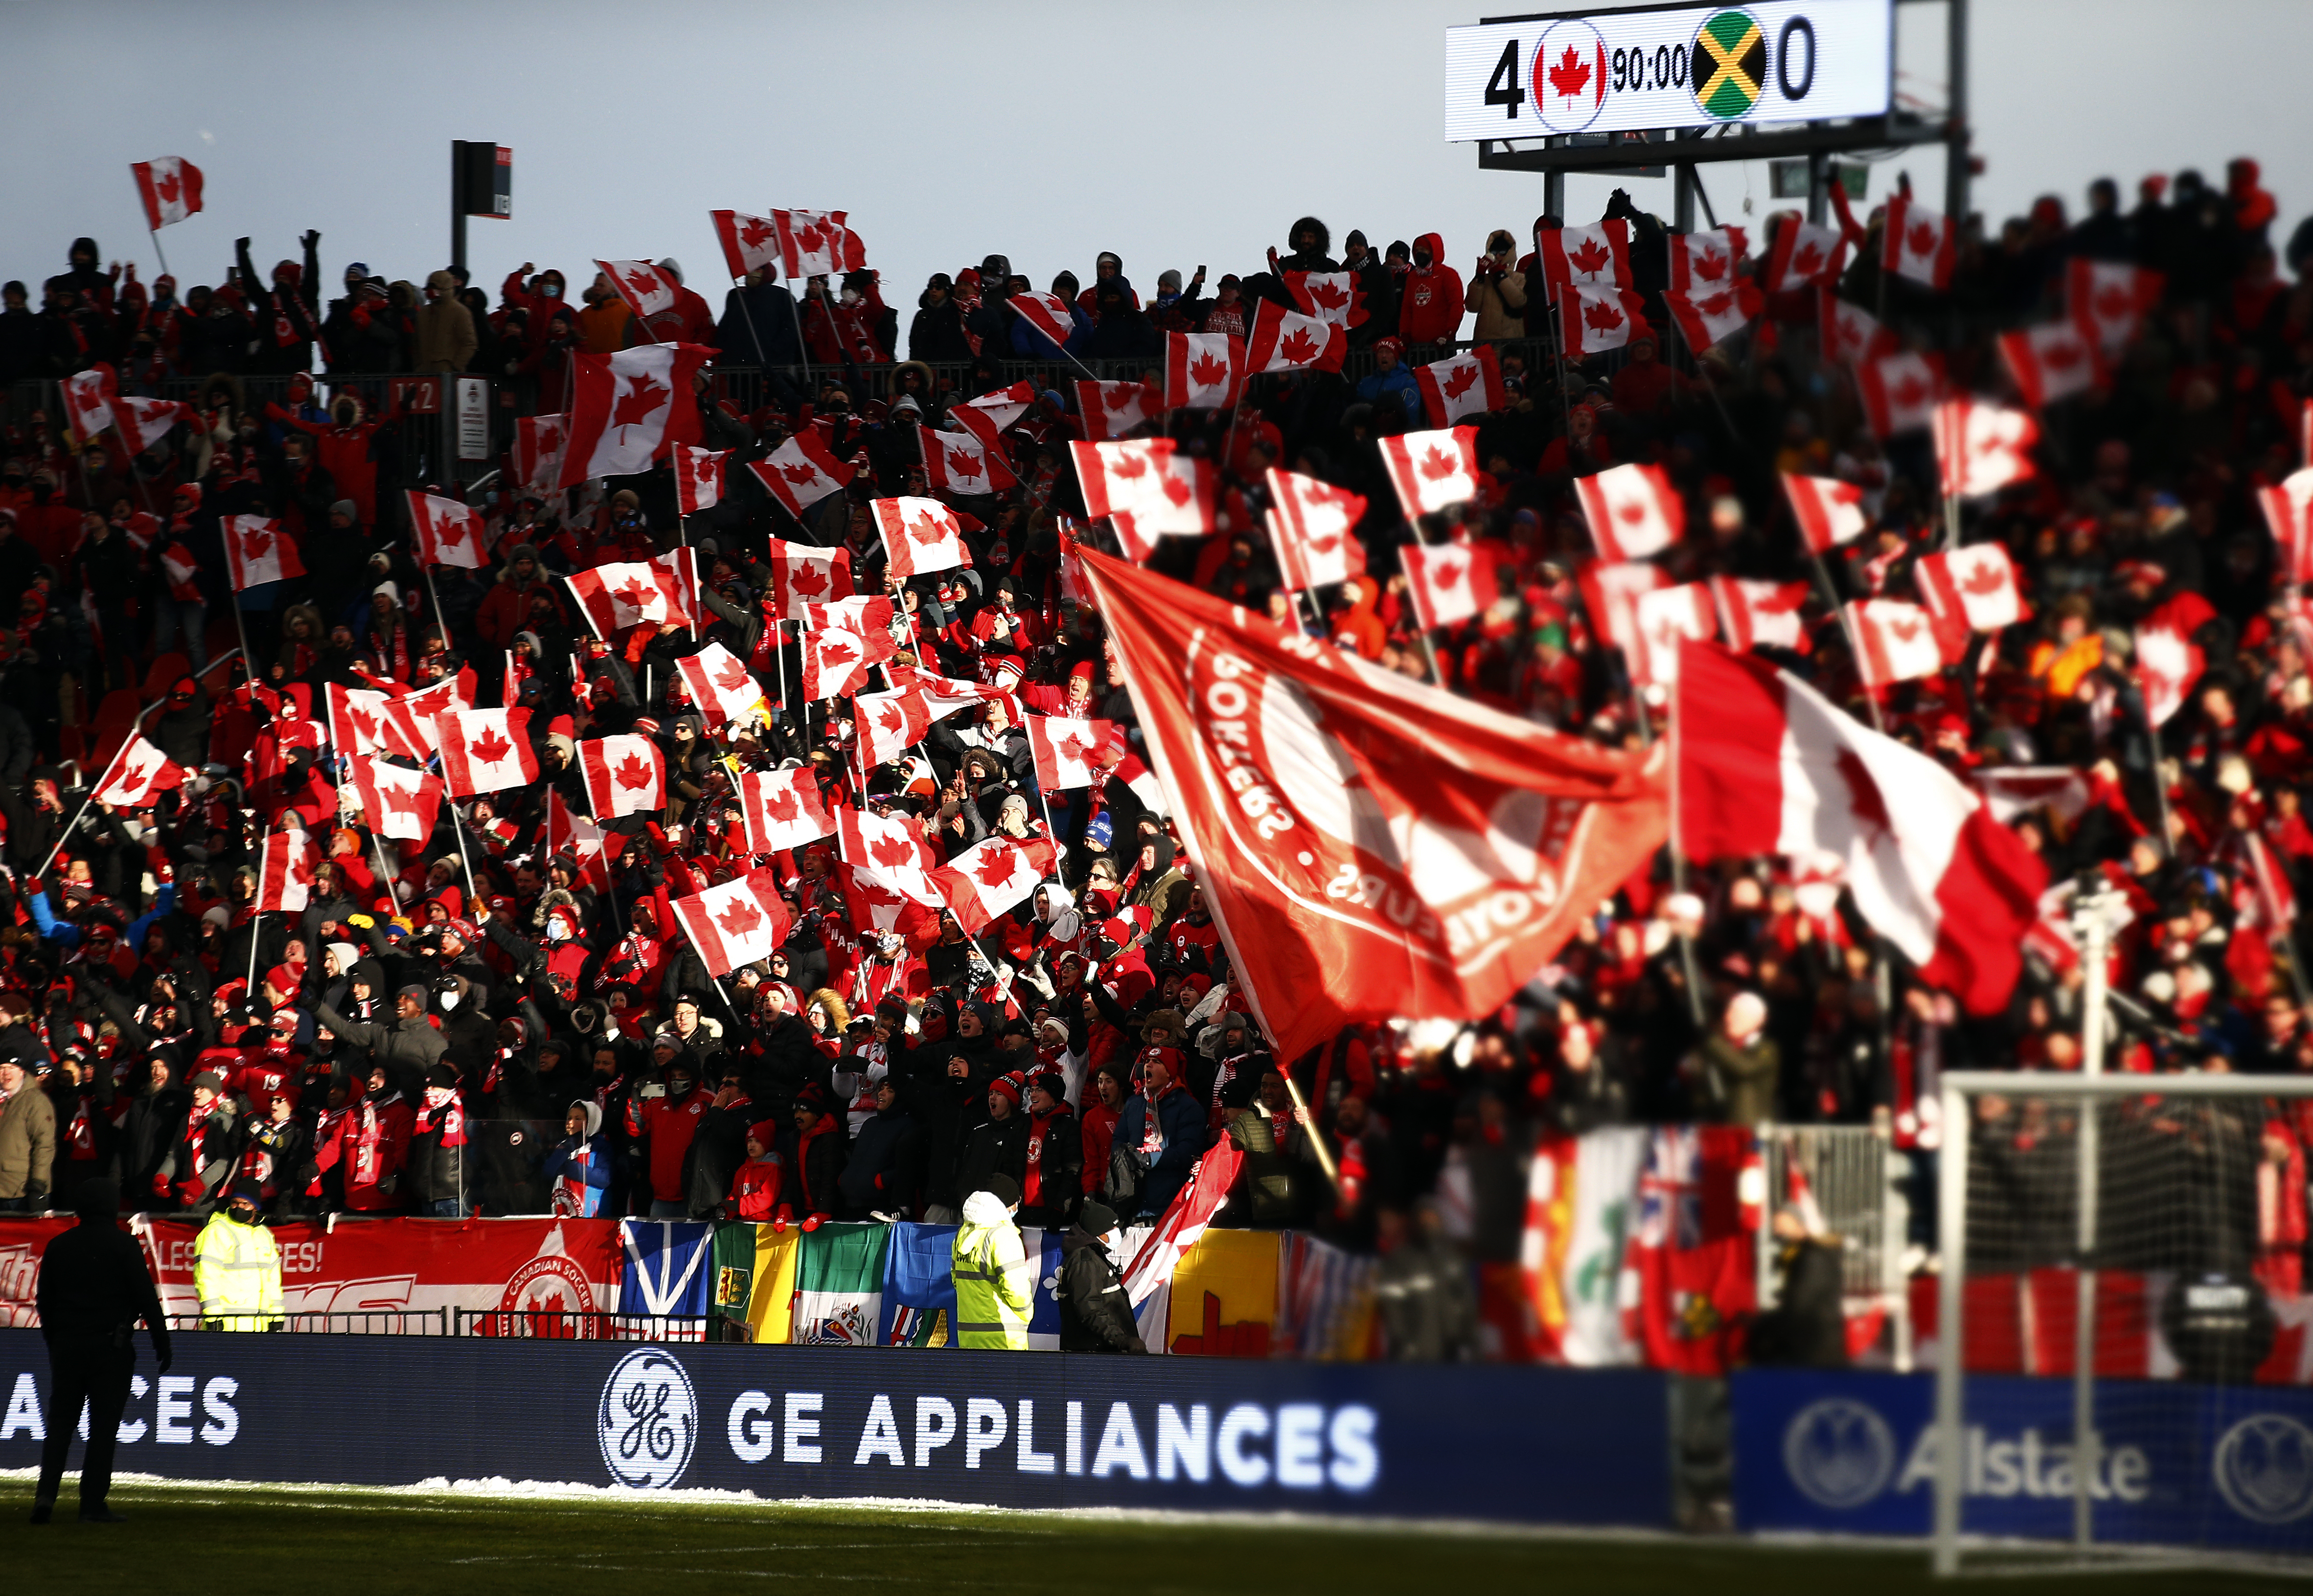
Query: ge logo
{"points": [[1840, 1454], [648, 1420], [2264, 1467]]}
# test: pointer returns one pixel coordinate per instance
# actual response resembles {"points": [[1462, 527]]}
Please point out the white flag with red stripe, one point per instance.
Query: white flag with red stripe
{"points": [[741, 922], [2289, 514], [447, 532], [631, 409], [842, 640], [1801, 254], [2109, 302], [583, 839], [986, 416], [1186, 1218], [1286, 340], [647, 290], [960, 463], [943, 696], [285, 863], [139, 774], [1970, 589], [1066, 751], [88, 399], [257, 551], [1981, 448], [1432, 471], [891, 851], [1203, 371], [698, 479], [366, 722], [1705, 262], [484, 750], [1113, 409], [1336, 297], [1918, 243], [2051, 361], [539, 443], [1047, 314], [991, 878], [1314, 528], [1755, 613], [1632, 510], [1610, 593], [1829, 512], [750, 244], [889, 724], [397, 801], [1664, 617], [1597, 319], [1894, 641], [1767, 765], [721, 685], [1849, 333], [1900, 391], [1595, 256], [658, 591], [919, 535], [1448, 583], [1147, 489], [145, 422], [800, 472], [625, 775], [1466, 384], [170, 187], [783, 809], [2166, 667], [803, 575], [818, 243], [1706, 318]]}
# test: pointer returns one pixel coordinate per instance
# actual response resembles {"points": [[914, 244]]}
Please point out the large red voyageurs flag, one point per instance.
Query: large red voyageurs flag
{"points": [[1370, 845]]}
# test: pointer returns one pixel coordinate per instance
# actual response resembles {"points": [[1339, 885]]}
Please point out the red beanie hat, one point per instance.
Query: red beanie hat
{"points": [[1009, 1086]]}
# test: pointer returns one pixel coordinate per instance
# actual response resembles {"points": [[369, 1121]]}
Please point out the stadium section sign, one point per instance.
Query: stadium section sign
{"points": [[1675, 66]]}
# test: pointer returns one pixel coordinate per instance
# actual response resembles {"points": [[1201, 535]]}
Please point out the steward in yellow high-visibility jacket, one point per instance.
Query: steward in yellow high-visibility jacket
{"points": [[995, 1284], [237, 1269]]}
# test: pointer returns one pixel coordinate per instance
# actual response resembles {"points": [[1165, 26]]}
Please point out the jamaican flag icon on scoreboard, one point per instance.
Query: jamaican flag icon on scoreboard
{"points": [[1729, 68]]}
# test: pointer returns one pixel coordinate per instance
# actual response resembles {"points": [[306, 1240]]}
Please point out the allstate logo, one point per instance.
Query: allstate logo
{"points": [[2264, 1467], [1839, 1452], [648, 1420]]}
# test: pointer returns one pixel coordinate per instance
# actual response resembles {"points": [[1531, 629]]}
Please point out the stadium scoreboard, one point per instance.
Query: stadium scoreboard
{"points": [[1669, 66]]}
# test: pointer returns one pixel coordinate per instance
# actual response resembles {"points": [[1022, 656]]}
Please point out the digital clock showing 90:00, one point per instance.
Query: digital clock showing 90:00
{"points": [[1669, 66]]}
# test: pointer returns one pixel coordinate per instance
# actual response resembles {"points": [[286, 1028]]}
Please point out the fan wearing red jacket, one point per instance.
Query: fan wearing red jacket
{"points": [[1430, 306], [754, 1194], [374, 1144], [666, 1125], [344, 446]]}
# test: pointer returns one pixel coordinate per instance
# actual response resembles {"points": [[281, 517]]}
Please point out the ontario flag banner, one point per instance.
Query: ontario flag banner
{"points": [[1370, 845]]}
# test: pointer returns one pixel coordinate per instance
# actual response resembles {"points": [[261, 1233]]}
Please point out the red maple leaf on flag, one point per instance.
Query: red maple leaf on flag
{"points": [[635, 405], [1807, 260], [1903, 630], [962, 463], [133, 774], [400, 800], [1716, 305], [894, 852], [1298, 346], [1438, 465], [800, 475], [996, 867], [733, 678], [806, 577], [809, 237], [755, 232], [1632, 513], [2061, 357], [861, 887], [783, 809], [1919, 237], [1589, 257], [550, 439], [1326, 544], [1178, 491], [1571, 77], [1074, 749], [1458, 382], [1984, 579], [364, 725], [892, 718], [739, 921], [1328, 293], [926, 530], [489, 748], [634, 595], [1207, 369], [837, 651], [633, 775], [1121, 397], [253, 544], [1447, 574], [167, 188], [2112, 303], [1600, 315], [1709, 266], [1909, 391], [1129, 467]]}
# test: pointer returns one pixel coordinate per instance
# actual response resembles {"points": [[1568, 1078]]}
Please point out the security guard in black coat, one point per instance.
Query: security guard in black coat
{"points": [[93, 1290]]}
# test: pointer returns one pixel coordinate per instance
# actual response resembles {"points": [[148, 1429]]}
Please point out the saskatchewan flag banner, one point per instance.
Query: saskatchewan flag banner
{"points": [[754, 1281], [1224, 1295], [838, 1286]]}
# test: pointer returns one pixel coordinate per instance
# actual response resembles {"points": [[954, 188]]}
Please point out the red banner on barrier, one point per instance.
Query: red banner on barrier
{"points": [[22, 1243]]}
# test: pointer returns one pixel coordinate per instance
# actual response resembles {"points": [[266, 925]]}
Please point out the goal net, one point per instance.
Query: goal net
{"points": [[2121, 1341]]}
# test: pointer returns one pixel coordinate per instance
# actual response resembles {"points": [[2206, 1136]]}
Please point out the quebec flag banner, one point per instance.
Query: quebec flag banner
{"points": [[1043, 1249], [670, 1267]]}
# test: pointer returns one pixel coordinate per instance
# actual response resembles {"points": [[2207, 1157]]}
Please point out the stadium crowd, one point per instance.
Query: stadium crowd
{"points": [[401, 1034]]}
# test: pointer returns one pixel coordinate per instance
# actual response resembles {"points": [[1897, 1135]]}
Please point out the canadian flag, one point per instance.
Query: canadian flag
{"points": [[427, 704], [1047, 314], [1384, 830], [1705, 262], [1981, 448], [1113, 409], [146, 422], [1801, 254], [1610, 593], [783, 809], [920, 535], [960, 463], [2109, 302], [1900, 391], [580, 838], [1664, 617], [631, 409], [943, 696], [1755, 613], [484, 750], [891, 851], [1894, 641], [139, 772], [88, 400], [1336, 297], [1147, 489], [1595, 256], [448, 533], [1767, 765], [698, 479], [1432, 471], [1918, 243], [721, 685], [647, 290], [539, 442], [1460, 385], [1594, 321], [842, 640], [258, 551], [890, 724], [2289, 512], [1448, 583], [170, 187], [803, 575], [986, 416], [622, 593], [991, 878], [1829, 512], [1848, 332], [818, 243], [1066, 750], [1314, 527], [398, 801], [1633, 511], [625, 775], [1705, 318], [285, 863], [1203, 371], [363, 721], [741, 922], [1970, 589], [2050, 362], [2166, 667], [1286, 340], [800, 472], [750, 244]]}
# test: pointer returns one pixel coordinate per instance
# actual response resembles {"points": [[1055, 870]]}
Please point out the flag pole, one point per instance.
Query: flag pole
{"points": [[155, 235], [256, 920], [459, 825], [1687, 966]]}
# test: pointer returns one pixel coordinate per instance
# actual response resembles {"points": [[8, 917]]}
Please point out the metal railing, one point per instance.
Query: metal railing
{"points": [[557, 1324], [373, 1321]]}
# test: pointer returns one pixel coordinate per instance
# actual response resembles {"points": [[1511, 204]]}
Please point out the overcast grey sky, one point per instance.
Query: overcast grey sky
{"points": [[1173, 135]]}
